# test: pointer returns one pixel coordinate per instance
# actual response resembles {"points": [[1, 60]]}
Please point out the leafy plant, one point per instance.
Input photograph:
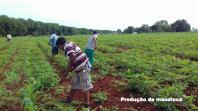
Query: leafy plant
{"points": [[99, 96], [119, 84], [59, 90]]}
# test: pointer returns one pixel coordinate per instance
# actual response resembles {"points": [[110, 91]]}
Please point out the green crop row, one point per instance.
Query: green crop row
{"points": [[39, 78], [155, 65], [12, 75], [7, 50]]}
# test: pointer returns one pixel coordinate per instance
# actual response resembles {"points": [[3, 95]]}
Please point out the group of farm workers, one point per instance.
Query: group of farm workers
{"points": [[78, 61]]}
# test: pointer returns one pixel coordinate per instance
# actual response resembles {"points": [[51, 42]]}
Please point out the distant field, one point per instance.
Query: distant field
{"points": [[161, 65]]}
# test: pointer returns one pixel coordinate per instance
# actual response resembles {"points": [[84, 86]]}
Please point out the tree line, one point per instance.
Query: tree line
{"points": [[160, 26], [22, 27]]}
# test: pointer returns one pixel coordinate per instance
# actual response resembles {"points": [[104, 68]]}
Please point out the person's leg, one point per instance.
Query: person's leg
{"points": [[52, 51], [89, 54], [74, 88], [55, 50], [92, 56], [86, 99], [72, 93], [86, 85]]}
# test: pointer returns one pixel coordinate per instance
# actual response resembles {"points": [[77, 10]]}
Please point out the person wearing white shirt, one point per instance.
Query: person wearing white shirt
{"points": [[91, 46], [9, 37]]}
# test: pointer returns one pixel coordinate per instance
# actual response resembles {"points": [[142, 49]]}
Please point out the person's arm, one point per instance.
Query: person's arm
{"points": [[70, 51], [70, 67], [72, 58]]}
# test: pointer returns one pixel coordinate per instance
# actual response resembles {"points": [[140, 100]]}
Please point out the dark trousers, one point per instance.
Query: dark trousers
{"points": [[54, 51]]}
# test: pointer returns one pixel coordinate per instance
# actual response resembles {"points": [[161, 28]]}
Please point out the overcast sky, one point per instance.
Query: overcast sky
{"points": [[102, 14]]}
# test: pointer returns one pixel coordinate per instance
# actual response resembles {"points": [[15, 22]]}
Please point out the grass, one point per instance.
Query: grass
{"points": [[154, 65], [99, 97]]}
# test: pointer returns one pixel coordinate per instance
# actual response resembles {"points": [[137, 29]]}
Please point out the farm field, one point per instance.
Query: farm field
{"points": [[160, 65]]}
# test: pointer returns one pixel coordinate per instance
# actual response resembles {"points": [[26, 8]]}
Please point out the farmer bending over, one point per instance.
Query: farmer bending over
{"points": [[77, 61], [52, 42]]}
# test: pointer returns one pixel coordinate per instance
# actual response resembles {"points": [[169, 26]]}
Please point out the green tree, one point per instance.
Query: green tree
{"points": [[144, 28], [83, 31], [180, 26], [20, 27], [119, 31], [161, 26], [129, 30], [195, 29]]}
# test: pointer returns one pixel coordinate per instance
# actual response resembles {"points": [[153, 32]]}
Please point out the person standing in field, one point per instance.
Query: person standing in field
{"points": [[52, 42], [91, 46], [78, 61], [9, 37]]}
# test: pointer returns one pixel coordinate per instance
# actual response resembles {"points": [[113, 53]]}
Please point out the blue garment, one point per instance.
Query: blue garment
{"points": [[53, 40]]}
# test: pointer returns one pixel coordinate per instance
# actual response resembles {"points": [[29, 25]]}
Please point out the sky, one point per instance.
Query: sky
{"points": [[102, 14]]}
